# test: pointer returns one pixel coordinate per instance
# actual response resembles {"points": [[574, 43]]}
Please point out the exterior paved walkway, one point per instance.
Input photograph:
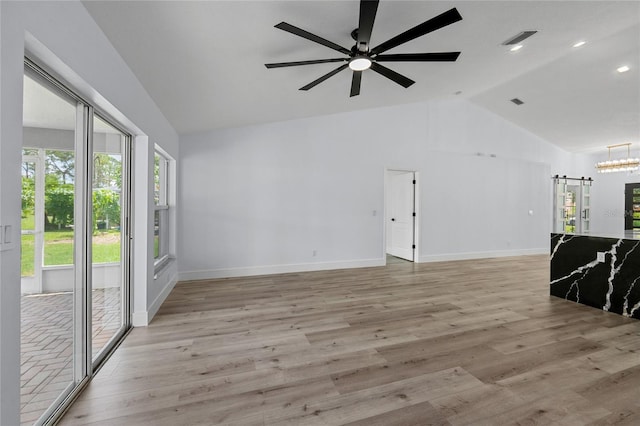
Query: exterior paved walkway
{"points": [[46, 344]]}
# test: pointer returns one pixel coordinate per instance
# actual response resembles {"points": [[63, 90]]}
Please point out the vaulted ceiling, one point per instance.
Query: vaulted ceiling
{"points": [[203, 62]]}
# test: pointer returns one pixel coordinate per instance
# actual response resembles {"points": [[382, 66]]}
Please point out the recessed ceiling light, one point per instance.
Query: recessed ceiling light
{"points": [[580, 43], [516, 48], [623, 68]]}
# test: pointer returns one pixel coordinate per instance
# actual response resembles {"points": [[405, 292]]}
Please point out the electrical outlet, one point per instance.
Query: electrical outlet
{"points": [[601, 257]]}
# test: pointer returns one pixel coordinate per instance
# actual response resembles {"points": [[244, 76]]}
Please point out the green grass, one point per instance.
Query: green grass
{"points": [[106, 253], [56, 253], [26, 256], [28, 222], [58, 248]]}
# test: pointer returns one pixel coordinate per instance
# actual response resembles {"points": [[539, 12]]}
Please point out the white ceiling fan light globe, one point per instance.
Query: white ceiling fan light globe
{"points": [[360, 63]]}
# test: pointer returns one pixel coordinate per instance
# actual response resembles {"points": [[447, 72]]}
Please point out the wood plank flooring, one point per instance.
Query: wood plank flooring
{"points": [[476, 342]]}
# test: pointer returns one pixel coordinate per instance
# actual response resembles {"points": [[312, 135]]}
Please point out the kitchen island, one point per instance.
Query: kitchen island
{"points": [[599, 271]]}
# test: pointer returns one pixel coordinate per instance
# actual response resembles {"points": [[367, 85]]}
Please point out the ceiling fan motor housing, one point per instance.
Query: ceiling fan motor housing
{"points": [[360, 48]]}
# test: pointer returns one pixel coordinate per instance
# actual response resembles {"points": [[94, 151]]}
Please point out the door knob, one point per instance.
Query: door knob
{"points": [[393, 219]]}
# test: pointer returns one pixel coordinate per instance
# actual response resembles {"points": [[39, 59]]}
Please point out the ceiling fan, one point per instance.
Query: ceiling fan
{"points": [[362, 57]]}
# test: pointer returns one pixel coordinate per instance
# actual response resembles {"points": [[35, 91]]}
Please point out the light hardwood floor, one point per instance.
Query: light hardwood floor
{"points": [[469, 342]]}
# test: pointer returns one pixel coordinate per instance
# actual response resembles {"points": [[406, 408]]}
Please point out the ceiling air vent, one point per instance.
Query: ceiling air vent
{"points": [[517, 101], [518, 38]]}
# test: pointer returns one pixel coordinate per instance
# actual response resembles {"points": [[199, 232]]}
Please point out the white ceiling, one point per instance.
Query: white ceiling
{"points": [[202, 61]]}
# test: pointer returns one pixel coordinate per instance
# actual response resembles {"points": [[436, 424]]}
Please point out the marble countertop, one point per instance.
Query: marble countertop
{"points": [[624, 234]]}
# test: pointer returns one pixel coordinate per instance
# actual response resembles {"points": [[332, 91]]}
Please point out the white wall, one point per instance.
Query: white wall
{"points": [[65, 37], [261, 199]]}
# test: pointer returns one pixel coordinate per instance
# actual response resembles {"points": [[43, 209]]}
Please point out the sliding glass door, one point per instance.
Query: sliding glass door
{"points": [[49, 289], [74, 248], [108, 301]]}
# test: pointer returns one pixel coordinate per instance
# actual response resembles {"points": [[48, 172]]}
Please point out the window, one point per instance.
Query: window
{"points": [[161, 213]]}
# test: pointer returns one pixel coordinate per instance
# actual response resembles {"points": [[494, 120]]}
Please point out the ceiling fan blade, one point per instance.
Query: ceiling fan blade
{"points": [[368, 9], [392, 75], [305, 34], [324, 77], [294, 64], [419, 57], [355, 83], [440, 21]]}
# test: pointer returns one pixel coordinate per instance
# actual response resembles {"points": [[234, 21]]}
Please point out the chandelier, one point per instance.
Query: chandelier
{"points": [[623, 165]]}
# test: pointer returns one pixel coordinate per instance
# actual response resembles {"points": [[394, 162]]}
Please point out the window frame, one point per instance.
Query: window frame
{"points": [[161, 209]]}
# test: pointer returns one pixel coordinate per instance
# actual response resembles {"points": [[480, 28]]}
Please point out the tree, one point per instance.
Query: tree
{"points": [[106, 208], [62, 164], [107, 171], [58, 205], [28, 169], [28, 195]]}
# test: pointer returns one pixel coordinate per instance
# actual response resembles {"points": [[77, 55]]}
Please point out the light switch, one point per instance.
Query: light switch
{"points": [[601, 257], [7, 234]]}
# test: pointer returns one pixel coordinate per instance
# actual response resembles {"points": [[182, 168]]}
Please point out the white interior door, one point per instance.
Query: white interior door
{"points": [[400, 235]]}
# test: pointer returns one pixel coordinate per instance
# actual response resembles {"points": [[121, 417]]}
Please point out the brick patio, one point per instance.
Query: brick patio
{"points": [[46, 339]]}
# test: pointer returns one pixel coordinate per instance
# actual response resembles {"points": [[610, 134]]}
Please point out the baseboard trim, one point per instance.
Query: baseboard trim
{"points": [[481, 255], [277, 269], [153, 309], [140, 319], [325, 266], [143, 318]]}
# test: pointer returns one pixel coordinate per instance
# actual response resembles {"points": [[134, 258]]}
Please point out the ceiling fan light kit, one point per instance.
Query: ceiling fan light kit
{"points": [[360, 63], [362, 57]]}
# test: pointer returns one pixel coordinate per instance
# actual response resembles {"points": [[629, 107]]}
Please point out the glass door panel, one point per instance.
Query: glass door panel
{"points": [[636, 208], [48, 342], [59, 207], [28, 222], [559, 213], [585, 206], [571, 208], [108, 250], [632, 206]]}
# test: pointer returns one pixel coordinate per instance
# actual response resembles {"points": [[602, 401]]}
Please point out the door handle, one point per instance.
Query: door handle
{"points": [[393, 219]]}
